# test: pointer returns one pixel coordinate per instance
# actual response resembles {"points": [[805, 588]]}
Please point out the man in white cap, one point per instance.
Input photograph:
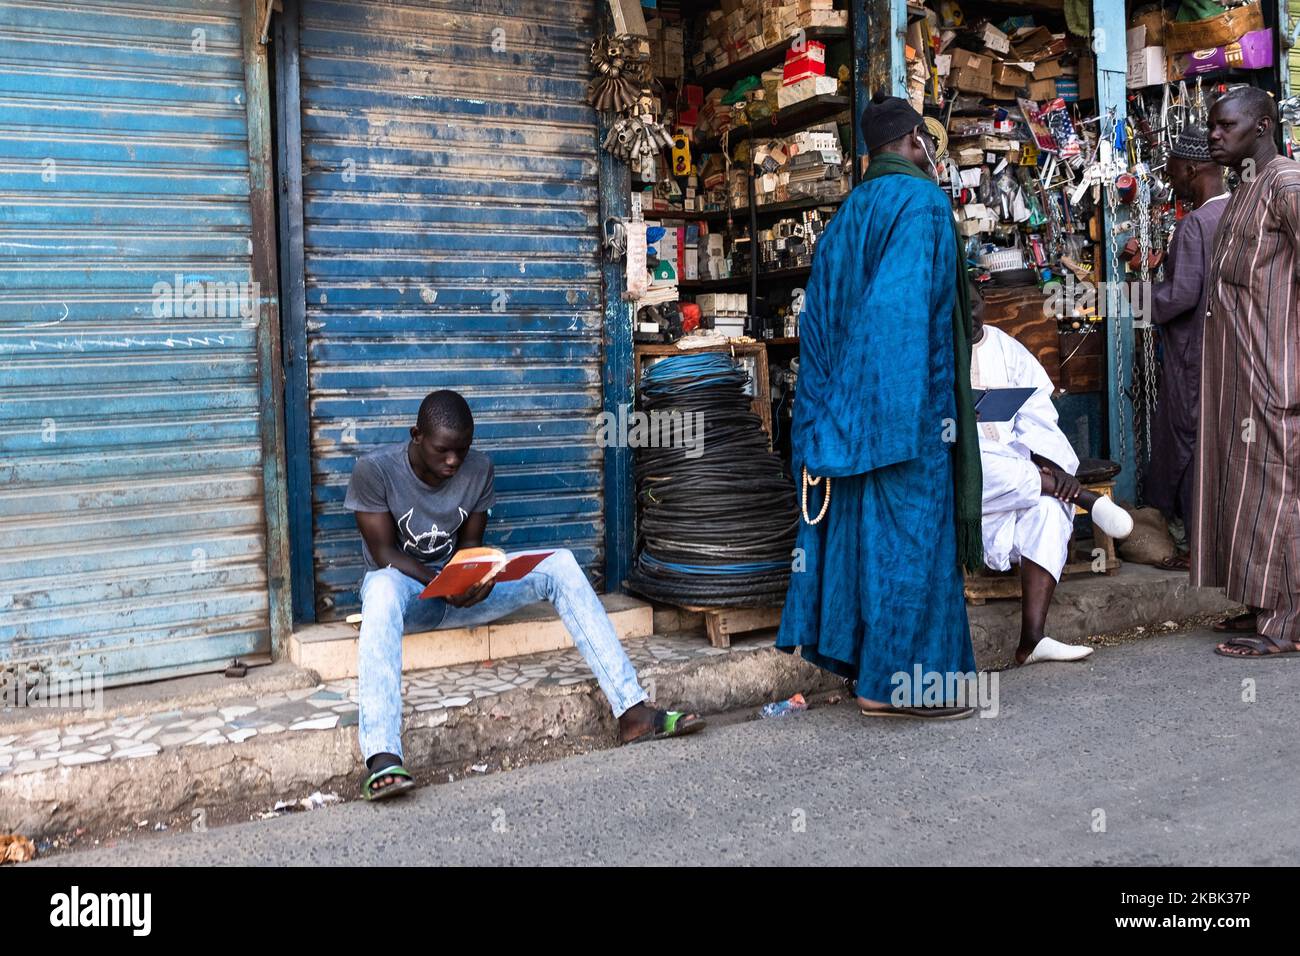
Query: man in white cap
{"points": [[1178, 308]]}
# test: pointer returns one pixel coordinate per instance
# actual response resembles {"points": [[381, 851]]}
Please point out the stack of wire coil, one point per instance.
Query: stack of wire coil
{"points": [[717, 515]]}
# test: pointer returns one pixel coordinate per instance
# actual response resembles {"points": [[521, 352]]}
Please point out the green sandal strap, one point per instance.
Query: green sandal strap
{"points": [[396, 770], [668, 723]]}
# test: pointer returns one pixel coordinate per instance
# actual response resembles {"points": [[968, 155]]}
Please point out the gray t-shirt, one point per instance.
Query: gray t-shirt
{"points": [[428, 519]]}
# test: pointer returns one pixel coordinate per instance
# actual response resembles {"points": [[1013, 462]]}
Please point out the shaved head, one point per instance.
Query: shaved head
{"points": [[1241, 128], [1254, 103]]}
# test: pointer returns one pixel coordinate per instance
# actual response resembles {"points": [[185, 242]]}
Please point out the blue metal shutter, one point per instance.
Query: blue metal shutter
{"points": [[132, 530], [451, 241]]}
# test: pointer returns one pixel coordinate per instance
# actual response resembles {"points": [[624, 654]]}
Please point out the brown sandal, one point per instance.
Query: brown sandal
{"points": [[1258, 646], [1243, 623], [921, 713], [1177, 562]]}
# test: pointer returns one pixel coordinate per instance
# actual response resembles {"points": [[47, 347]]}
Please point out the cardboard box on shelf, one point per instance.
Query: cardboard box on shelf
{"points": [[960, 126], [1042, 90], [805, 88], [1254, 51], [1153, 22], [966, 60], [1028, 41], [1008, 93], [1011, 74], [1213, 31], [824, 18], [800, 65], [969, 82], [1047, 69], [1087, 78], [994, 39], [806, 6], [971, 72], [1146, 67]]}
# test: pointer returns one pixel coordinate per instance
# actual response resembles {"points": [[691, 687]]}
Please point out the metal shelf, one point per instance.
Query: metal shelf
{"points": [[758, 62], [733, 282], [815, 109], [763, 209]]}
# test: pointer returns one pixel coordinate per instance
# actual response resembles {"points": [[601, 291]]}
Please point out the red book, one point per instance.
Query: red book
{"points": [[474, 566]]}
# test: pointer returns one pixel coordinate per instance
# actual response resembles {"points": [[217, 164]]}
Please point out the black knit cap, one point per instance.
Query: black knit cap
{"points": [[1193, 143], [886, 118]]}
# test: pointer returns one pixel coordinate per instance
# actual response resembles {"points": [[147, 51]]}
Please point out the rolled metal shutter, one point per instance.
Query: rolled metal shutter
{"points": [[132, 529], [450, 206]]}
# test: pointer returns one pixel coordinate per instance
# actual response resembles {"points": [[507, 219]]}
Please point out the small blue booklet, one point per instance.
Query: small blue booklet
{"points": [[999, 404]]}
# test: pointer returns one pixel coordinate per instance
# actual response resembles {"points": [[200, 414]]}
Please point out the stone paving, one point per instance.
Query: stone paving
{"points": [[324, 707]]}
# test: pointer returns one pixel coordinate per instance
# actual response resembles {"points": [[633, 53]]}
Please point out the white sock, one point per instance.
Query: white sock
{"points": [[1111, 518], [1049, 649]]}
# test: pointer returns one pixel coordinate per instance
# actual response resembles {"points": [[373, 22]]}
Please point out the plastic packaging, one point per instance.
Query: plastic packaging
{"points": [[781, 708]]}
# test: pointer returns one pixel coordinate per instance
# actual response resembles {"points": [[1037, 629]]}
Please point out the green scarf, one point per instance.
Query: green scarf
{"points": [[967, 478]]}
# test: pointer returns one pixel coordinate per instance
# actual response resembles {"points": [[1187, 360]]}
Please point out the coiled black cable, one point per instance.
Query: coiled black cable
{"points": [[716, 513]]}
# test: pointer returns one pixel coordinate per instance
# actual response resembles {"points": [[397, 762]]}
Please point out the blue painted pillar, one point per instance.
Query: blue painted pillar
{"points": [[897, 38], [293, 299], [620, 512], [1108, 19], [878, 27]]}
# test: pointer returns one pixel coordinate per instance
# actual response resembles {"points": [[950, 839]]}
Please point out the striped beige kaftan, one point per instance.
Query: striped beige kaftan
{"points": [[1246, 514]]}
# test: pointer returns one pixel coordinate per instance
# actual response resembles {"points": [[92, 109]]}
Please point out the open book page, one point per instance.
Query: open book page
{"points": [[473, 566]]}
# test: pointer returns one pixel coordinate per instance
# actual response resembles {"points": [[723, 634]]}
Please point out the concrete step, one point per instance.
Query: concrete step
{"points": [[220, 764], [238, 746], [331, 649], [1136, 595]]}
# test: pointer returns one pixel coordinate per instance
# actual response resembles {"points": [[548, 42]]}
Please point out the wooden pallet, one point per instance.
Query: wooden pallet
{"points": [[988, 586], [722, 622]]}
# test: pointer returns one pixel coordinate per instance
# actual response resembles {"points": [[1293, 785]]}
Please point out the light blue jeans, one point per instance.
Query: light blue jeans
{"points": [[390, 607]]}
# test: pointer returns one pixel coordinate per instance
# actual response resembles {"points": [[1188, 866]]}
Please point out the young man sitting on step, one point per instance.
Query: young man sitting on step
{"points": [[419, 502]]}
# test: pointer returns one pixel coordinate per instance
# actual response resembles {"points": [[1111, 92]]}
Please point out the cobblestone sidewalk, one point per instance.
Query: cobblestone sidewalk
{"points": [[325, 707]]}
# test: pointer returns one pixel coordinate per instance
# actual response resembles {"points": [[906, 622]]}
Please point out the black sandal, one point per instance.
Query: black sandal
{"points": [[1258, 646], [921, 713], [670, 723], [1243, 623]]}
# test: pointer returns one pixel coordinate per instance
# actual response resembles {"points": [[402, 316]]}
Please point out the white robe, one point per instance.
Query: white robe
{"points": [[1019, 521]]}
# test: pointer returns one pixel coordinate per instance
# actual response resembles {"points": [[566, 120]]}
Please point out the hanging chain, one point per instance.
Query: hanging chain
{"points": [[1148, 384], [1113, 319]]}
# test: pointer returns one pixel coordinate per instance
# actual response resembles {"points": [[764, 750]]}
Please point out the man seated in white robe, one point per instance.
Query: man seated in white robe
{"points": [[1029, 487]]}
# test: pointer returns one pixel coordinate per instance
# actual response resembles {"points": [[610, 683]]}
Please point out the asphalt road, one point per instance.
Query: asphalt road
{"points": [[1153, 734]]}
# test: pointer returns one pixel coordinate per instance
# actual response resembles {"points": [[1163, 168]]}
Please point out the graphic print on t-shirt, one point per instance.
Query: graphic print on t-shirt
{"points": [[432, 545]]}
